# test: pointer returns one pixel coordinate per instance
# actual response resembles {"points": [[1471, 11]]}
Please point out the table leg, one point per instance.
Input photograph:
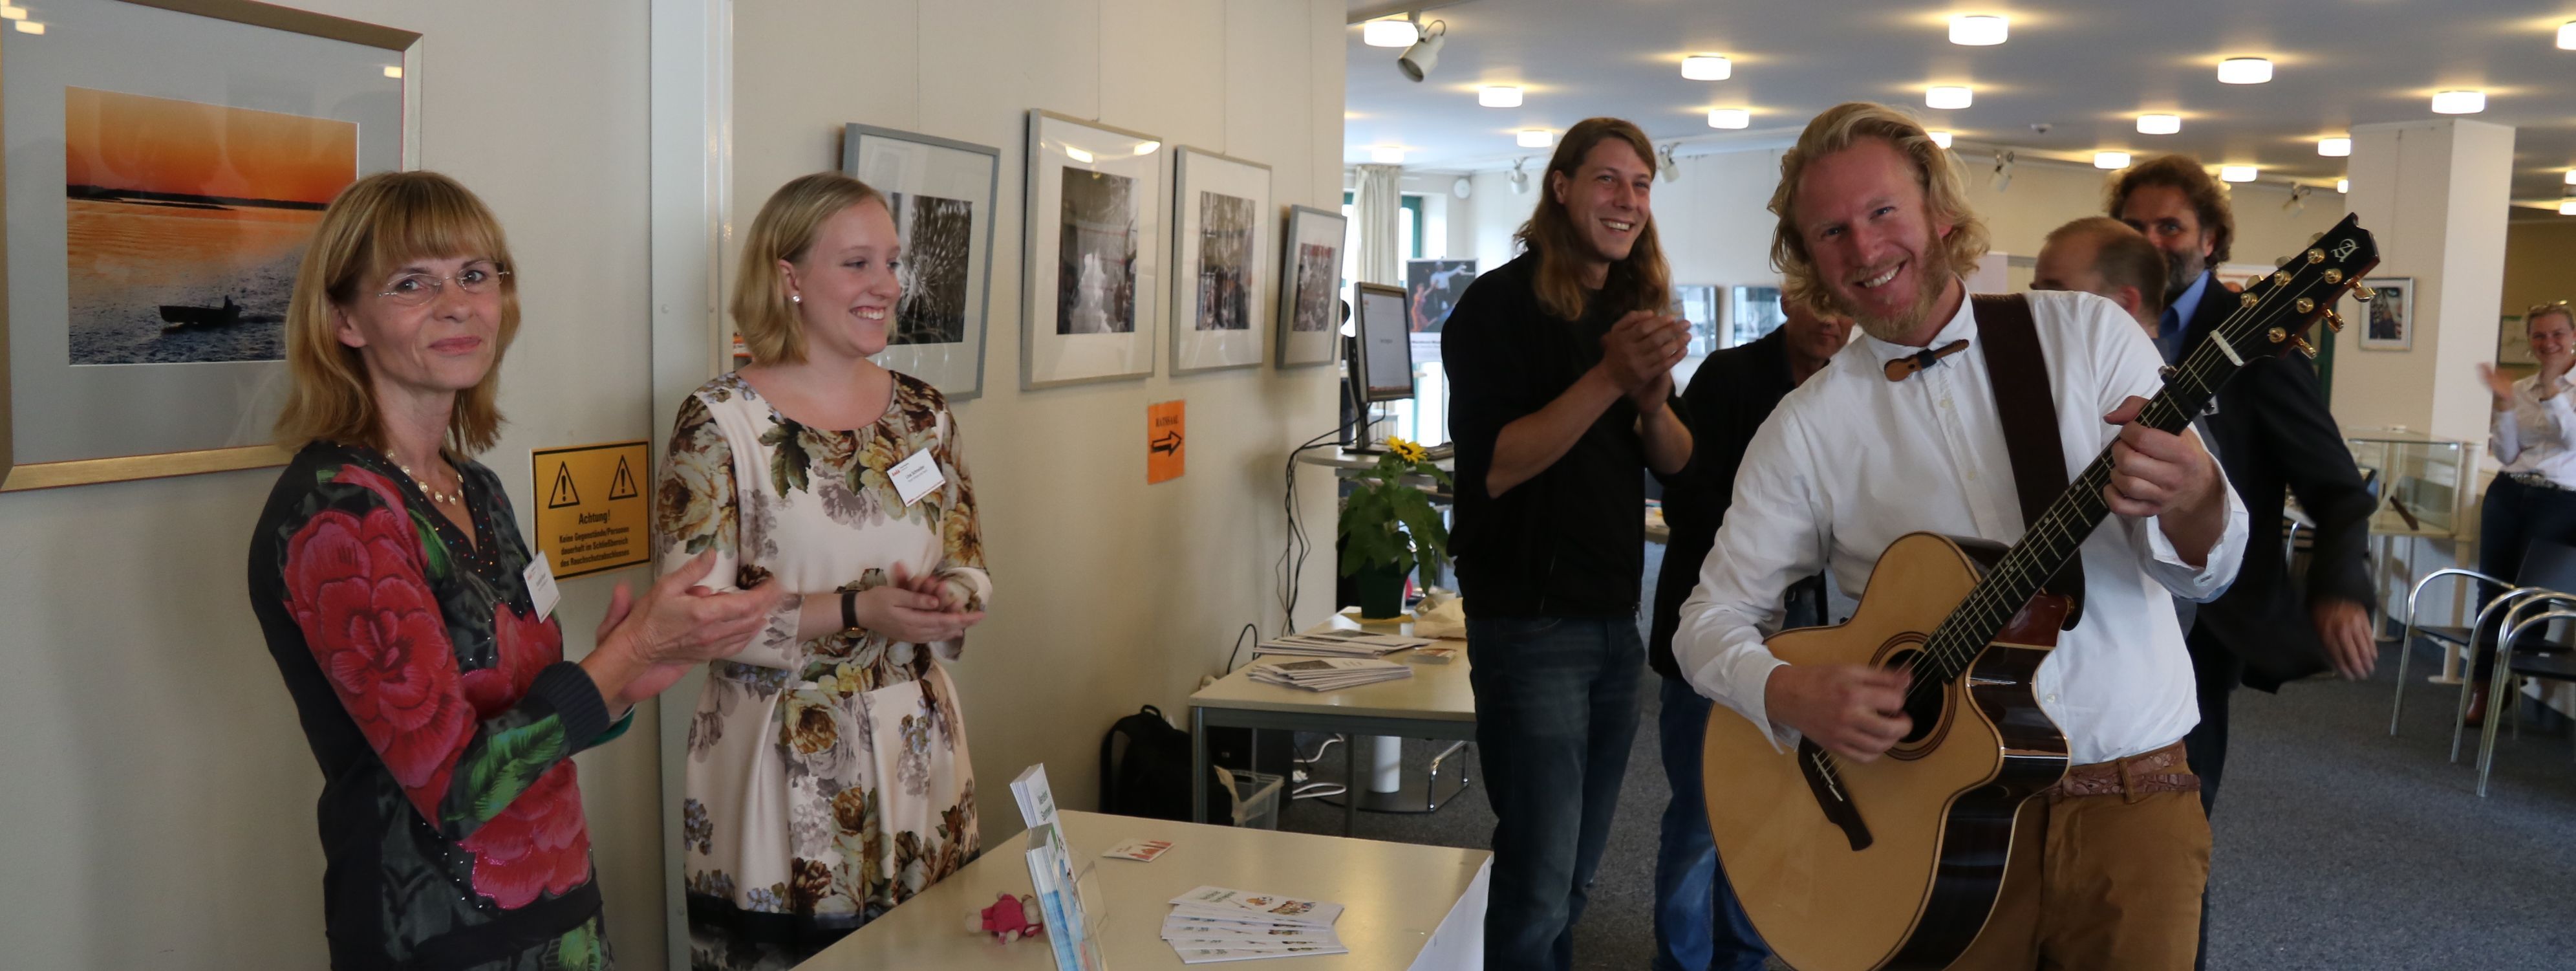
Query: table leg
{"points": [[1198, 764], [2379, 585], [1350, 785]]}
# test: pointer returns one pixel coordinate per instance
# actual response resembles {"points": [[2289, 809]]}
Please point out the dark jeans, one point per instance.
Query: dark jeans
{"points": [[1698, 923], [2217, 672], [1556, 709], [2510, 518]]}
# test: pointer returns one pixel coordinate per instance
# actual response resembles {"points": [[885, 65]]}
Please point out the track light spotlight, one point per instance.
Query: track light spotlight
{"points": [[2002, 180], [1664, 161], [1520, 177], [1419, 59]]}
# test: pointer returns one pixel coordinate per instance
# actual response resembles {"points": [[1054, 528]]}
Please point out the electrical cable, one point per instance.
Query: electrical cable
{"points": [[1251, 629], [1292, 556]]}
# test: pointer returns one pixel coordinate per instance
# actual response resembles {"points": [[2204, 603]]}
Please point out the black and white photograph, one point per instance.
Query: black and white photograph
{"points": [[1097, 233], [2388, 318], [1221, 255], [1310, 287], [1096, 258], [1225, 262], [941, 193]]}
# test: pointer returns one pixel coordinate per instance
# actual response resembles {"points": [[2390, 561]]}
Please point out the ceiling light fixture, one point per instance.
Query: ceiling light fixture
{"points": [[2236, 173], [393, 70], [1387, 155], [2110, 160], [2298, 201], [2567, 36], [1419, 59], [2244, 70], [1536, 138], [2459, 102], [1396, 31], [12, 12], [2571, 176], [2334, 147], [1949, 97], [2159, 124], [2002, 179], [2567, 207], [30, 27], [1669, 167], [1978, 30], [1729, 118], [1499, 96], [2343, 186], [1707, 67], [1940, 138], [1520, 177]]}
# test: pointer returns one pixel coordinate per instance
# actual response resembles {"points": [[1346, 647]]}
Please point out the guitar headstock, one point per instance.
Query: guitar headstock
{"points": [[2276, 310]]}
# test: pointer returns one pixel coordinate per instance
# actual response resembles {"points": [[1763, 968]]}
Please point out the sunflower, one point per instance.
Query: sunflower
{"points": [[1408, 451]]}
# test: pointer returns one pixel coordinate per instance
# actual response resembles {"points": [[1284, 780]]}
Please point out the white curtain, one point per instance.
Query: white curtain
{"points": [[1378, 205]]}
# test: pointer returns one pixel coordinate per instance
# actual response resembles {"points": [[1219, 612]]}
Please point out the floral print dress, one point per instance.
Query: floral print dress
{"points": [[828, 779], [442, 713]]}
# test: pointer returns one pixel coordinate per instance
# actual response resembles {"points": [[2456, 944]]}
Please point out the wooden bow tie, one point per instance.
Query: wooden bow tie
{"points": [[1904, 367]]}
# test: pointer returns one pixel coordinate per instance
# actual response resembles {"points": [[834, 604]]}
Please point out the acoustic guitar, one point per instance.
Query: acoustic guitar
{"points": [[1896, 863]]}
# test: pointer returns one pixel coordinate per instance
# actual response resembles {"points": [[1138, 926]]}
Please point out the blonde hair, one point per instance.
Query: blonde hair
{"points": [[1642, 281], [2558, 308], [785, 228], [378, 223], [1839, 128]]}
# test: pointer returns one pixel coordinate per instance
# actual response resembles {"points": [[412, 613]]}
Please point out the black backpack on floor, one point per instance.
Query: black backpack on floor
{"points": [[1153, 779]]}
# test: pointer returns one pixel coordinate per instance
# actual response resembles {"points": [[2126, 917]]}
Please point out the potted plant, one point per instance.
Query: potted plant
{"points": [[1388, 527]]}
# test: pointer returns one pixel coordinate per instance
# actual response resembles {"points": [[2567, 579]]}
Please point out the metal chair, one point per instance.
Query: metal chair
{"points": [[2514, 605], [2545, 566], [2509, 668]]}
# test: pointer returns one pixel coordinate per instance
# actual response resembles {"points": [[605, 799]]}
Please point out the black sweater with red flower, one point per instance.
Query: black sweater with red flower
{"points": [[442, 714]]}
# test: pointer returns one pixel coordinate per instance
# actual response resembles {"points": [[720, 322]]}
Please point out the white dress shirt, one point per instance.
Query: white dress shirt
{"points": [[1851, 461], [2538, 435]]}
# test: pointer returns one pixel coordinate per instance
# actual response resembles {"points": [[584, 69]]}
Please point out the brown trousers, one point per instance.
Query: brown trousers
{"points": [[2100, 882]]}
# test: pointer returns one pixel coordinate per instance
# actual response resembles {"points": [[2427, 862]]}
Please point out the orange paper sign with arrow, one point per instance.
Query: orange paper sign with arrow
{"points": [[1165, 444]]}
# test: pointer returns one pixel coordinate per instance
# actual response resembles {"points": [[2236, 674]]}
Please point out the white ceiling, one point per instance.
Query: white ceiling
{"points": [[2085, 69]]}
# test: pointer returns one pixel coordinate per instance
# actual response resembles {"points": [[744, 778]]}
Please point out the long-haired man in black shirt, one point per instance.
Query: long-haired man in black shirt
{"points": [[1561, 391]]}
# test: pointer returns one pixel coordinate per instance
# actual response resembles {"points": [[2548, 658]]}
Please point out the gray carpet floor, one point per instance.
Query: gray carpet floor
{"points": [[2337, 846]]}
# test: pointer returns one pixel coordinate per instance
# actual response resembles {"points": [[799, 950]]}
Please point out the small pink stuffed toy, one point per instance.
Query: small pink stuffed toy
{"points": [[1009, 919]]}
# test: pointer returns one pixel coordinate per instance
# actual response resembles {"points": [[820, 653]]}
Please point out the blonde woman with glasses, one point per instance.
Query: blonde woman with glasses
{"points": [[828, 776], [393, 587]]}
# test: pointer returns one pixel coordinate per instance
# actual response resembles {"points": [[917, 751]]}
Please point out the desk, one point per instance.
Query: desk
{"points": [[1348, 464], [1405, 906], [1436, 702]]}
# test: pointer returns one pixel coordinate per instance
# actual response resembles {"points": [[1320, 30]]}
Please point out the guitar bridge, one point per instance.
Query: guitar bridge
{"points": [[1827, 786]]}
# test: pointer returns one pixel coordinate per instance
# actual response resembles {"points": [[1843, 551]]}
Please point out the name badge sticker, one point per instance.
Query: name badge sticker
{"points": [[541, 586], [915, 477]]}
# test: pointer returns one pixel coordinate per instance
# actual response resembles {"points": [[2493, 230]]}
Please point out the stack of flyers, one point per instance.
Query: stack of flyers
{"points": [[1212, 924], [1339, 643], [1331, 674]]}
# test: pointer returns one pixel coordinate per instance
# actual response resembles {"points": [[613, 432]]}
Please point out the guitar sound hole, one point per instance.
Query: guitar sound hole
{"points": [[1924, 706]]}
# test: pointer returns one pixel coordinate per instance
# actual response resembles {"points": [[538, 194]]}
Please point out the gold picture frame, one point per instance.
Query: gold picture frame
{"points": [[396, 52]]}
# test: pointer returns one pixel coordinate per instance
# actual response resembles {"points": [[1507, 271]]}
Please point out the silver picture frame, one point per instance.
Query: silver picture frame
{"points": [[944, 195], [1221, 237], [1090, 312], [1309, 318]]}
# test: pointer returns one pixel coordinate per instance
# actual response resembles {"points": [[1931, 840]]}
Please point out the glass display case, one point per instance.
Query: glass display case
{"points": [[2422, 480]]}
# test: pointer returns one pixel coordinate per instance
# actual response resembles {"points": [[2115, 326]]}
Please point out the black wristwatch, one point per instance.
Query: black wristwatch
{"points": [[849, 610]]}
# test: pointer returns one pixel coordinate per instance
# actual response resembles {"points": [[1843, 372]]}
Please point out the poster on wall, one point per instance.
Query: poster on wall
{"points": [[166, 171], [1310, 287], [1431, 290], [1093, 238], [941, 194], [2513, 344], [2388, 319], [1220, 261]]}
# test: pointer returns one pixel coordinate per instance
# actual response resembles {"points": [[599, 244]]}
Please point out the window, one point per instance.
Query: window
{"points": [[1425, 418]]}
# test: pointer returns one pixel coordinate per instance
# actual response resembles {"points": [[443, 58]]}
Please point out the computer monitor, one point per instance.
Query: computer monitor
{"points": [[1384, 370]]}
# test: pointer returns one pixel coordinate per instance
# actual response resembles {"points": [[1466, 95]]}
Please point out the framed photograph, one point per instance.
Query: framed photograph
{"points": [[1310, 287], [1431, 290], [1220, 261], [1094, 238], [1752, 312], [2388, 321], [167, 162], [942, 195], [2513, 343]]}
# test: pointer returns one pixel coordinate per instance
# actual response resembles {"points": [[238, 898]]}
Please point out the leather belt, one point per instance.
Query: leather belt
{"points": [[2134, 777], [2537, 481]]}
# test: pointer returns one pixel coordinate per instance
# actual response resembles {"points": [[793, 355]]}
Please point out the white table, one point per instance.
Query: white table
{"points": [[1404, 906], [1435, 703]]}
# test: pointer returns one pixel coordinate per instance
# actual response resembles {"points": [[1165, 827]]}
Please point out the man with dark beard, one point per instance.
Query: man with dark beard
{"points": [[1901, 433], [2270, 429]]}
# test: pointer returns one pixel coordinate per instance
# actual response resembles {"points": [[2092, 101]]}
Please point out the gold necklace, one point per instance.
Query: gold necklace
{"points": [[443, 498]]}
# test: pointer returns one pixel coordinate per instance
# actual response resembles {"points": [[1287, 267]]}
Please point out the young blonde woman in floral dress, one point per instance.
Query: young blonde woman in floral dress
{"points": [[828, 777]]}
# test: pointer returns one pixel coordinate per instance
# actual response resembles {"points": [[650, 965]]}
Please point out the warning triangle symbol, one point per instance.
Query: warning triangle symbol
{"points": [[563, 494], [623, 486]]}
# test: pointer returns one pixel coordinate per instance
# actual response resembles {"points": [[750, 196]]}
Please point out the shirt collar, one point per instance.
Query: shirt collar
{"points": [[2189, 303], [1962, 326]]}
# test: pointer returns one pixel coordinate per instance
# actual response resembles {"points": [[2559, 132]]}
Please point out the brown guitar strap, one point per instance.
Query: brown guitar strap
{"points": [[2018, 371]]}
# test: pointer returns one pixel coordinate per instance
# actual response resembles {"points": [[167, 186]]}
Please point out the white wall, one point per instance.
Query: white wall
{"points": [[1109, 593], [159, 792]]}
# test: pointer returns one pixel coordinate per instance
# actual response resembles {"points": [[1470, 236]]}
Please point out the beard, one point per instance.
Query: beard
{"points": [[1934, 271], [2180, 270]]}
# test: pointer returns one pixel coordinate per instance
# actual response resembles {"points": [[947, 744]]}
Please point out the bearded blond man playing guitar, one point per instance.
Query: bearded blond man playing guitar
{"points": [[1873, 223]]}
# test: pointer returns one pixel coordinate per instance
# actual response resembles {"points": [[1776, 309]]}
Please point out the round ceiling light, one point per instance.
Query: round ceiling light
{"points": [[2343, 185], [1499, 96], [1390, 32], [2236, 173], [2459, 102], [2334, 147], [2244, 70], [1942, 139], [1387, 155], [1707, 67], [2567, 36], [1978, 30], [1949, 97], [2159, 124], [2110, 160], [1536, 138], [2567, 207], [1729, 118]]}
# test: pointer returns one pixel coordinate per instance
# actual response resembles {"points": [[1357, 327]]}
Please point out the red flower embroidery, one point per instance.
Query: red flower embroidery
{"points": [[525, 648], [538, 844], [355, 588]]}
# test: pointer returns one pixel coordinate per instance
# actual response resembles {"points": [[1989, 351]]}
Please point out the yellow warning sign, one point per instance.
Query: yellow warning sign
{"points": [[608, 530]]}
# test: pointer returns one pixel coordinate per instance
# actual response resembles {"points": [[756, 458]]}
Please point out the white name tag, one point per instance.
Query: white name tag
{"points": [[541, 586], [916, 476]]}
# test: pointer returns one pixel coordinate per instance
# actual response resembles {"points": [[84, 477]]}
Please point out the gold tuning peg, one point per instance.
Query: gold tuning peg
{"points": [[2304, 347], [2362, 293], [2334, 320]]}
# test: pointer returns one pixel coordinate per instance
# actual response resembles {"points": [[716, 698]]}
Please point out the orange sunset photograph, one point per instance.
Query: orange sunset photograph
{"points": [[185, 222]]}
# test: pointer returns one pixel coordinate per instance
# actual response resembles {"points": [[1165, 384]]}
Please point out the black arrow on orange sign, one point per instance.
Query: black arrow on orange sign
{"points": [[1170, 442]]}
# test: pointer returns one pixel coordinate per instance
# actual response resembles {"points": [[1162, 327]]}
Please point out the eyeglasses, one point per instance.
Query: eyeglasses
{"points": [[415, 289]]}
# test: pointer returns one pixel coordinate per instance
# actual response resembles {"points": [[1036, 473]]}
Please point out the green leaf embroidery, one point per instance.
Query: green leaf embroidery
{"points": [[579, 950], [510, 762], [431, 545]]}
